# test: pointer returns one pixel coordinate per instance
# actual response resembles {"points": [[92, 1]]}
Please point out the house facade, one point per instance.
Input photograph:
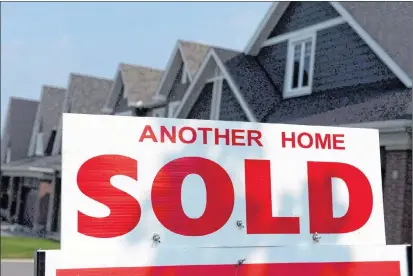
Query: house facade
{"points": [[321, 63], [311, 63], [36, 179]]}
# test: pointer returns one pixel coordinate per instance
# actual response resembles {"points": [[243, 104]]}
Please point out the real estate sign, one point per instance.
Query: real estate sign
{"points": [[263, 261], [131, 183]]}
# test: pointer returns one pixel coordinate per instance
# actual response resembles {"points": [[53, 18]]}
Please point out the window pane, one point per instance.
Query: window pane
{"points": [[296, 65], [307, 57]]}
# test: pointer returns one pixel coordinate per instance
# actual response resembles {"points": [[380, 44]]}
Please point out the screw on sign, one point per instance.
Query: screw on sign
{"points": [[94, 176]]}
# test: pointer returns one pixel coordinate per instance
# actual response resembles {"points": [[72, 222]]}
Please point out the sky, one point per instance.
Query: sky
{"points": [[42, 42]]}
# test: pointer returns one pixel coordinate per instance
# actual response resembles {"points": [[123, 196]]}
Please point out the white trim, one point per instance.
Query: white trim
{"points": [[394, 134], [158, 112], [213, 79], [277, 11], [226, 75], [172, 107], [39, 149], [184, 60], [252, 45], [8, 155], [405, 78], [235, 89], [168, 67], [185, 78], [193, 83], [118, 78], [289, 92], [304, 31], [216, 98]]}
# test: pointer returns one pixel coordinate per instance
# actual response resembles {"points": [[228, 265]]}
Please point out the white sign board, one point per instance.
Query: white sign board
{"points": [[135, 182], [262, 261]]}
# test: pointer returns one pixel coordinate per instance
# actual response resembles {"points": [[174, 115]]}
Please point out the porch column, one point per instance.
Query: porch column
{"points": [[10, 198], [36, 213], [19, 199], [52, 205]]}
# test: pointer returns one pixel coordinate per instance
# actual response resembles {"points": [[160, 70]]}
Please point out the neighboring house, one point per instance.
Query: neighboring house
{"points": [[323, 63], [85, 94], [132, 91], [21, 172], [15, 140], [184, 62]]}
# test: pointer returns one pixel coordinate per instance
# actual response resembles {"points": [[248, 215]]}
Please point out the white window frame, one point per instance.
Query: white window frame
{"points": [[158, 112], [39, 147], [172, 108], [184, 76], [289, 70], [217, 82], [8, 155]]}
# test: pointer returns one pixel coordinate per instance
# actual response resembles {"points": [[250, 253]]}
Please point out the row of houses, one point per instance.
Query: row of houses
{"points": [[319, 63]]}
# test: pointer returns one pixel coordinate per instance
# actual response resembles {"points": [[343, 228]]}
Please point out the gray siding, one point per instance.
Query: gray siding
{"points": [[202, 107], [397, 197], [342, 59], [299, 15], [175, 94], [230, 109], [254, 84]]}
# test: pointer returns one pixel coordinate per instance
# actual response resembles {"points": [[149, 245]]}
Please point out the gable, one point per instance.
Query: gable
{"points": [[230, 109], [299, 15], [202, 108], [374, 22], [178, 89], [342, 59]]}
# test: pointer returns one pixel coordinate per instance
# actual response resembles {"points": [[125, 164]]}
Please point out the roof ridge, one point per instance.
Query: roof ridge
{"points": [[53, 86], [89, 76], [23, 99], [140, 66]]}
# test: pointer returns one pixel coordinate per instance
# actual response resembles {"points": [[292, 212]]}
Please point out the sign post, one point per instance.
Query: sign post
{"points": [[182, 191]]}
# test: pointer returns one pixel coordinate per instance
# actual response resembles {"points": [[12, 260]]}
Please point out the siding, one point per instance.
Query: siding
{"points": [[202, 107], [342, 59], [299, 15], [397, 197], [230, 109], [175, 94]]}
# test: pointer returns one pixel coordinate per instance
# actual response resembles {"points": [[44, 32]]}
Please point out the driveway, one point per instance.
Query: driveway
{"points": [[17, 268]]}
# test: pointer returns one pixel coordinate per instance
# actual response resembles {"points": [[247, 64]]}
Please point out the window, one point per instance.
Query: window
{"points": [[39, 144], [158, 112], [184, 77], [8, 155], [173, 106], [299, 68]]}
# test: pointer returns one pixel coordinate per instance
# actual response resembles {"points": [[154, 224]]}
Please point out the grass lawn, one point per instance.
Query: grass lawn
{"points": [[24, 248]]}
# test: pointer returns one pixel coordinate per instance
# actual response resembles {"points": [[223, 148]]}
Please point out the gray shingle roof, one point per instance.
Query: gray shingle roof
{"points": [[390, 106], [87, 94], [49, 113], [193, 53], [18, 127], [140, 83], [390, 24]]}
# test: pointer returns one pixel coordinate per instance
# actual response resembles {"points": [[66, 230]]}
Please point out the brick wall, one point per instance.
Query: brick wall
{"points": [[397, 194]]}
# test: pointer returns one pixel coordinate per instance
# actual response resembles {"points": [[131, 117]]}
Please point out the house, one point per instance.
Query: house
{"points": [[132, 91], [184, 62], [323, 63], [20, 172], [38, 176], [15, 140]]}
